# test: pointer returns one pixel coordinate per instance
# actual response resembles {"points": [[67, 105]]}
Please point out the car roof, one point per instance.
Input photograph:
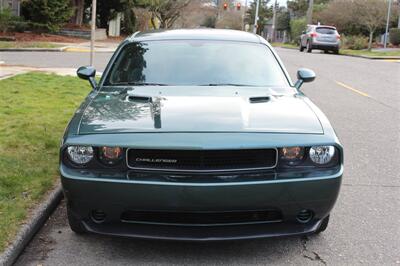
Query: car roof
{"points": [[323, 26], [196, 34]]}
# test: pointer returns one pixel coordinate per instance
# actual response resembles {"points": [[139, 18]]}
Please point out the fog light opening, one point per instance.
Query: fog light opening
{"points": [[304, 216], [98, 216]]}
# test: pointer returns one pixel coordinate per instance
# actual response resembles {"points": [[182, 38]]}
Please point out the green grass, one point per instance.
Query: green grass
{"points": [[6, 45], [34, 110], [286, 45], [369, 53]]}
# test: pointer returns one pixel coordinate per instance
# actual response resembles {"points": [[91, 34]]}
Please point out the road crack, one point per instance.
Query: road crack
{"points": [[309, 254]]}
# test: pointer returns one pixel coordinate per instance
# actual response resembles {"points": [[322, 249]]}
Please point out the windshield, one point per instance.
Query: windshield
{"points": [[196, 63], [326, 30]]}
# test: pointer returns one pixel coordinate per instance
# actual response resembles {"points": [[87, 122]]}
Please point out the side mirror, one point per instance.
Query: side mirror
{"points": [[87, 73], [304, 75], [303, 32]]}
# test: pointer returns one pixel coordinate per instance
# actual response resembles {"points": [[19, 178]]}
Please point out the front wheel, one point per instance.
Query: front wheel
{"points": [[301, 48], [323, 225], [336, 51], [74, 223]]}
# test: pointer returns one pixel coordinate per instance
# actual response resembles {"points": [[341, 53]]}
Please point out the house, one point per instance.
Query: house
{"points": [[280, 35], [14, 5]]}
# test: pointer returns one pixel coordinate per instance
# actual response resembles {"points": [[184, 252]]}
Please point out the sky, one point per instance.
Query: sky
{"points": [[280, 2]]}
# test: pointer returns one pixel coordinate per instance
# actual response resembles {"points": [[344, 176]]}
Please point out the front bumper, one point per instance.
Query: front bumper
{"points": [[114, 196]]}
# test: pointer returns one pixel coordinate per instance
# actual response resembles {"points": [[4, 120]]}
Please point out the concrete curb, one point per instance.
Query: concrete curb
{"points": [[374, 57], [360, 56], [29, 229], [61, 49]]}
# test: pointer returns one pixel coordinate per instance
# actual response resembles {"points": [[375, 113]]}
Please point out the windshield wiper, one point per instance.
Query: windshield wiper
{"points": [[226, 84], [140, 84]]}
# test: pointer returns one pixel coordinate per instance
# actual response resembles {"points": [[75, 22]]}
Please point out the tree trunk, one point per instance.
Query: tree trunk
{"points": [[371, 36], [79, 8], [152, 22]]}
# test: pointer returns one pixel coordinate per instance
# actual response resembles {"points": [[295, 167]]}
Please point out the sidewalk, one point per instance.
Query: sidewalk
{"points": [[84, 47], [100, 47], [10, 71], [7, 71]]}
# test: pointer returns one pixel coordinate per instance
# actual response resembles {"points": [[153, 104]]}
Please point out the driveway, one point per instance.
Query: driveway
{"points": [[361, 97]]}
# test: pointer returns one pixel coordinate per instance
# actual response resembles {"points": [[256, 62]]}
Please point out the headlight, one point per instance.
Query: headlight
{"points": [[322, 154], [110, 155], [292, 155], [80, 154]]}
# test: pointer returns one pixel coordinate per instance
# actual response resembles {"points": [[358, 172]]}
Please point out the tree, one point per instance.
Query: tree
{"points": [[297, 26], [264, 13], [282, 19], [372, 15], [197, 13], [107, 10], [129, 16], [356, 15], [166, 11], [79, 10], [298, 8], [52, 13], [340, 13]]}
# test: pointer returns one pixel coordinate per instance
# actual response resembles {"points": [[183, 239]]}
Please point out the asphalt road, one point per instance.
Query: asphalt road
{"points": [[362, 99], [54, 59]]}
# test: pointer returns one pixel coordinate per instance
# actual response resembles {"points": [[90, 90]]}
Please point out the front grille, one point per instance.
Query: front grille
{"points": [[201, 160], [201, 218]]}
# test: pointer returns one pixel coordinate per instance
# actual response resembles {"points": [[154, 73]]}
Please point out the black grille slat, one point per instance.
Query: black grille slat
{"points": [[199, 160], [202, 218]]}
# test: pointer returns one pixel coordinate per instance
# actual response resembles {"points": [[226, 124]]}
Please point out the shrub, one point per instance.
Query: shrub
{"points": [[9, 22], [52, 13], [209, 22], [355, 42], [6, 19], [297, 26], [394, 36]]}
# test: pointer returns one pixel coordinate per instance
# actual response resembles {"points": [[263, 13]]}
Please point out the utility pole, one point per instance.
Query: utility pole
{"points": [[218, 14], [256, 17], [387, 24], [93, 33], [244, 16], [310, 11], [398, 23], [274, 22]]}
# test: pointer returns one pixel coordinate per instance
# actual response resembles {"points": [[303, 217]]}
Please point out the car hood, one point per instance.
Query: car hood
{"points": [[127, 112]]}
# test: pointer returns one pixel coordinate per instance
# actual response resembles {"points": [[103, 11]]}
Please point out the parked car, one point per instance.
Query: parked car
{"points": [[199, 135], [320, 37]]}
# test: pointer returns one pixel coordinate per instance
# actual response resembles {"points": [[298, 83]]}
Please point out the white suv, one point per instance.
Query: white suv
{"points": [[320, 37]]}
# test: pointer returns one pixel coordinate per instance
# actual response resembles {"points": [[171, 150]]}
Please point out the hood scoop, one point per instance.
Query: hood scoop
{"points": [[139, 99], [259, 99]]}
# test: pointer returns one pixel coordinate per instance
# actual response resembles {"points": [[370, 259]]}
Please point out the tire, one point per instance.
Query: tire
{"points": [[336, 51], [301, 49], [74, 223], [309, 48], [323, 225], [326, 52]]}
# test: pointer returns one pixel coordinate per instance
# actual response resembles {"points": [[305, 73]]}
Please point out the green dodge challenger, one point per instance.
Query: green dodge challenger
{"points": [[199, 135]]}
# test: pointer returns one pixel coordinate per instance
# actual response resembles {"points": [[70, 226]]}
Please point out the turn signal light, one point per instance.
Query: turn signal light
{"points": [[292, 155], [110, 155]]}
